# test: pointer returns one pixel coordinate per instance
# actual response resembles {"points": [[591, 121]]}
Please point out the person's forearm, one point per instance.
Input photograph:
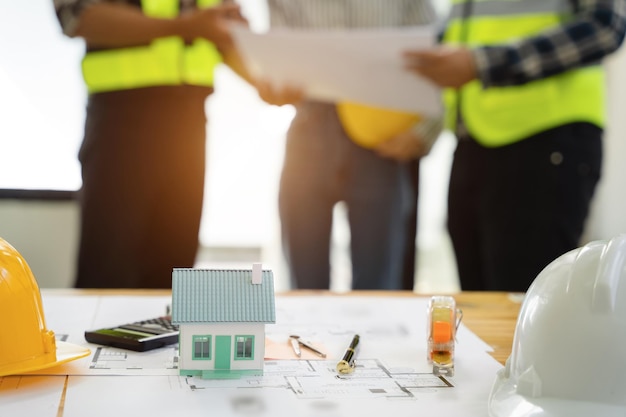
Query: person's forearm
{"points": [[233, 59], [596, 31]]}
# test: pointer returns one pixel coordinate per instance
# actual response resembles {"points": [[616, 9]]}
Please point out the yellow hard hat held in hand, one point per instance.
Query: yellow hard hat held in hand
{"points": [[368, 126], [26, 344]]}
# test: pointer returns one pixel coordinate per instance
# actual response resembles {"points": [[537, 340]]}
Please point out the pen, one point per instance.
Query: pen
{"points": [[346, 365]]}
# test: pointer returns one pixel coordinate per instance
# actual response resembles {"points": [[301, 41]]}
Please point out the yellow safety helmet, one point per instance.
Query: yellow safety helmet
{"points": [[25, 343], [368, 126]]}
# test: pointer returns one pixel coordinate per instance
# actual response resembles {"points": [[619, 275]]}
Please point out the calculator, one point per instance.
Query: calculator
{"points": [[139, 336]]}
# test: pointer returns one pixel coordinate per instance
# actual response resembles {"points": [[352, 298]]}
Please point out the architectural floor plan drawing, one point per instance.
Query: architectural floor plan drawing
{"points": [[318, 379], [107, 360], [391, 376]]}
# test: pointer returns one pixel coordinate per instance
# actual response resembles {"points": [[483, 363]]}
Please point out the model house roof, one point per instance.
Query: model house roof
{"points": [[228, 296]]}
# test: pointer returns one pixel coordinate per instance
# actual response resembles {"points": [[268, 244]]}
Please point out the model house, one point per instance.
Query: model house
{"points": [[221, 316]]}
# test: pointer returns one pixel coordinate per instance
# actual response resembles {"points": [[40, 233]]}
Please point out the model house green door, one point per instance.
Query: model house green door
{"points": [[222, 352]]}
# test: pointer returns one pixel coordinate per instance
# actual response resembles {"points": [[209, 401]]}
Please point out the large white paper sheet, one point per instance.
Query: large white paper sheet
{"points": [[392, 376], [26, 396], [363, 66]]}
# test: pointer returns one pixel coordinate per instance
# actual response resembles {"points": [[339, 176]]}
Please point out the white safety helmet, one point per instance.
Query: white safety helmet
{"points": [[569, 349]]}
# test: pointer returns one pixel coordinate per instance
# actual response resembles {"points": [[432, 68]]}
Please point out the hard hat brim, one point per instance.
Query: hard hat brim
{"points": [[65, 352], [504, 401]]}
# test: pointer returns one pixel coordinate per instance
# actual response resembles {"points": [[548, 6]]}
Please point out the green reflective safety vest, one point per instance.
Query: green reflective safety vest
{"points": [[498, 116], [166, 61]]}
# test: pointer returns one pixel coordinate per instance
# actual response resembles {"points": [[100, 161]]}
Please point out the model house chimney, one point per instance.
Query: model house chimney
{"points": [[257, 273]]}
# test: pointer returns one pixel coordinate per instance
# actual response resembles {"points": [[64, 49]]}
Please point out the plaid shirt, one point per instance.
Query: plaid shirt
{"points": [[597, 29]]}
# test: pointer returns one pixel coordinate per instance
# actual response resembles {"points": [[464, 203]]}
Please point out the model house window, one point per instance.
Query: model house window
{"points": [[244, 346], [201, 347]]}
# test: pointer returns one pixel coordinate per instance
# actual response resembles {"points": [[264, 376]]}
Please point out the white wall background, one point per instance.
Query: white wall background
{"points": [[41, 117], [609, 212]]}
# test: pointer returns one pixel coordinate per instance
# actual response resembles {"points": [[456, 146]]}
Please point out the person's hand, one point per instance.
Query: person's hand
{"points": [[403, 147], [213, 24], [445, 66], [278, 96]]}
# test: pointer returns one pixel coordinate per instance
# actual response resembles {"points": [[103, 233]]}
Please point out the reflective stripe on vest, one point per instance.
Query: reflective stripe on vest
{"points": [[482, 8], [166, 61], [498, 116]]}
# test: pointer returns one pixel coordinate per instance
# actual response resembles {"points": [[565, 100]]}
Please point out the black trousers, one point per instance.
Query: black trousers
{"points": [[143, 166], [410, 259], [514, 209]]}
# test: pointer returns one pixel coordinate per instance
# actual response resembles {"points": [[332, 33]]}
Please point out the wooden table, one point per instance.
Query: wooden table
{"points": [[490, 315]]}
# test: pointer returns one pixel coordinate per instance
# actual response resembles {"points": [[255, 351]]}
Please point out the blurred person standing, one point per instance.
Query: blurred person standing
{"points": [[148, 68], [324, 165], [526, 100]]}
